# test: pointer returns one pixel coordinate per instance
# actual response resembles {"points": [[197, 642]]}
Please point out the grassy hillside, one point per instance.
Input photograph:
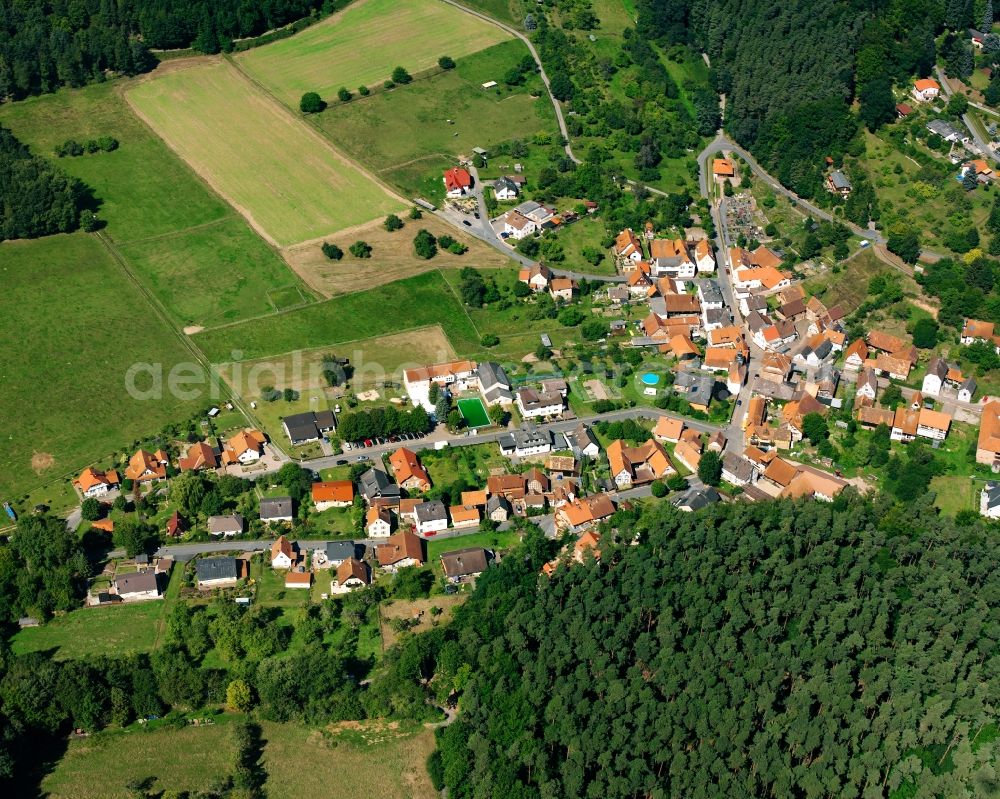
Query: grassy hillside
{"points": [[73, 324]]}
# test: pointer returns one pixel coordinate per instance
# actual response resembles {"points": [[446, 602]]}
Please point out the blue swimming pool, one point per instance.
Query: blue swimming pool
{"points": [[650, 379]]}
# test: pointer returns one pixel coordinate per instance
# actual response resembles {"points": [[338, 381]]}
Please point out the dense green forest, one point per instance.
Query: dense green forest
{"points": [[775, 649], [36, 199], [790, 69], [44, 45]]}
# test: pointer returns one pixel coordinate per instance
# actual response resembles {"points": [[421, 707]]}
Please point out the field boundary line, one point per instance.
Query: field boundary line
{"points": [[315, 131], [460, 303], [176, 233], [234, 208]]}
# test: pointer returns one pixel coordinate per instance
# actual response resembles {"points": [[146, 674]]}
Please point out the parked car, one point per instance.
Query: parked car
{"points": [[342, 462], [467, 223]]}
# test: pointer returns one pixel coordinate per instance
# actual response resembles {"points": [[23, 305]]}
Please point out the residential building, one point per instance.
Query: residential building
{"points": [[409, 474], [933, 424], [582, 441], [294, 580], [510, 486], [245, 447], [696, 389], [517, 226], [925, 90], [475, 499], [627, 246], [637, 465], [867, 385], [838, 183], [536, 277], [988, 445], [401, 550], [536, 404], [737, 470], [283, 555], [976, 330], [688, 455], [967, 390], [671, 258], [375, 484], [175, 525], [351, 574], [303, 428], [775, 367], [432, 517], [95, 483], [276, 509], [199, 456], [904, 424], [137, 586], [695, 499], [218, 572], [505, 189], [937, 371], [856, 355], [464, 565], [226, 526], [332, 494], [464, 516], [527, 440], [584, 512], [947, 131], [893, 366], [723, 169], [498, 509], [378, 521], [457, 182], [989, 501], [330, 554], [562, 288], [870, 418], [454, 375], [144, 467]]}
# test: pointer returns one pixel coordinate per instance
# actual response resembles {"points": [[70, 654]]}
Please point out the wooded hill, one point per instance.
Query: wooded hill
{"points": [[790, 69], [775, 649]]}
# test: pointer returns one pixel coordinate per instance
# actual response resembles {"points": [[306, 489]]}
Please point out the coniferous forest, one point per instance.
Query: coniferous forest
{"points": [[776, 649]]}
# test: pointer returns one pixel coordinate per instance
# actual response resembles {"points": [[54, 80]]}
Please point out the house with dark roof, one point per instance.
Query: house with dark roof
{"points": [[582, 441], [494, 384], [527, 440], [276, 509], [330, 554], [217, 572], [432, 517], [696, 498], [505, 189], [138, 586], [375, 484], [989, 501], [464, 565], [303, 428], [225, 526]]}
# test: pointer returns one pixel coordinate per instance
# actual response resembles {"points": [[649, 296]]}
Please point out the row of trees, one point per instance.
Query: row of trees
{"points": [[382, 422]]}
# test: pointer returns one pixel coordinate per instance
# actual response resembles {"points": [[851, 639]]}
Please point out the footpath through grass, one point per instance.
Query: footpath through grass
{"points": [[363, 44], [396, 307], [72, 325]]}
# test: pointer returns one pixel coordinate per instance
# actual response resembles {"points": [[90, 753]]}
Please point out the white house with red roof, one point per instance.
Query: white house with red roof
{"points": [[457, 182]]}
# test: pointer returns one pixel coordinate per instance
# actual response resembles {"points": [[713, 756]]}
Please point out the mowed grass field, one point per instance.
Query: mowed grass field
{"points": [[72, 324], [363, 44], [415, 302], [88, 632], [198, 256], [393, 257], [272, 167], [381, 760], [451, 110]]}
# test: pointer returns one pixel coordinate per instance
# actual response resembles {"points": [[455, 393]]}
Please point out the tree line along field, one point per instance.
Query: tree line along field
{"points": [[361, 45], [198, 257], [73, 324], [288, 182], [450, 109]]}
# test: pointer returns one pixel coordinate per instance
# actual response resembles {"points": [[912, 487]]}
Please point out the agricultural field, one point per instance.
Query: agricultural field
{"points": [[416, 302], [88, 632], [78, 324], [363, 44], [183, 250], [451, 110], [287, 181], [101, 766], [393, 257]]}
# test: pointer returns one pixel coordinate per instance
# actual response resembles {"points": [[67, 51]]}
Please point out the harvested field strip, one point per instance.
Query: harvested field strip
{"points": [[282, 176]]}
